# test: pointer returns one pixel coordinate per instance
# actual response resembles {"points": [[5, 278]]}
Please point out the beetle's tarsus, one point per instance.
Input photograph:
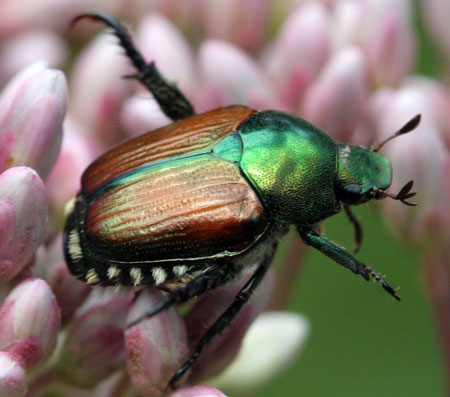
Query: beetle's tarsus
{"points": [[180, 373], [391, 290], [170, 99], [377, 277], [134, 76]]}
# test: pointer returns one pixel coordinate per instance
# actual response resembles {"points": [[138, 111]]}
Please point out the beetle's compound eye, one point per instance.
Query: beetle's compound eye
{"points": [[352, 195]]}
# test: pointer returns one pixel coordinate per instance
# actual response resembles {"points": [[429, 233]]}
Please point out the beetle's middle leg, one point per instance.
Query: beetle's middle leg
{"points": [[169, 97], [339, 255]]}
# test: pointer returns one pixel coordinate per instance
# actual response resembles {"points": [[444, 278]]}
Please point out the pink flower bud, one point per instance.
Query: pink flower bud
{"points": [[29, 322], [32, 110], [345, 23], [270, 346], [78, 150], [287, 7], [180, 12], [97, 87], [222, 349], [156, 346], [23, 219], [439, 96], [12, 376], [94, 348], [160, 41], [118, 384], [387, 38], [51, 266], [28, 47], [299, 52], [242, 23], [141, 114], [228, 76], [18, 15], [197, 391], [436, 14], [336, 100]]}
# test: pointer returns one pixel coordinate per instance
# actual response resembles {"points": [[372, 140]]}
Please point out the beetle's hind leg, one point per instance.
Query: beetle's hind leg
{"points": [[311, 237], [225, 319], [169, 97], [212, 278]]}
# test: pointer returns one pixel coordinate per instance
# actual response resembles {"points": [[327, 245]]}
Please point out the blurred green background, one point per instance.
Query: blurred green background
{"points": [[362, 342]]}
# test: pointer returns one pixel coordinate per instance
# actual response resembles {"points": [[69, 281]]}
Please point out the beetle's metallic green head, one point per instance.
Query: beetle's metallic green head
{"points": [[362, 174]]}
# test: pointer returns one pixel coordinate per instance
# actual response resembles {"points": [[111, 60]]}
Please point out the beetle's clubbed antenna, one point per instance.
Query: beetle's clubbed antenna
{"points": [[404, 194], [170, 99], [408, 127], [357, 226]]}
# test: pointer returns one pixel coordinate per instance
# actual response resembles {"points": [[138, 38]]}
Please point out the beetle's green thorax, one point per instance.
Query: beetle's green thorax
{"points": [[292, 165], [360, 171]]}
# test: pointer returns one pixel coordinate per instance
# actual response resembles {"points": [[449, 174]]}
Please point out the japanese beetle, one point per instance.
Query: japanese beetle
{"points": [[186, 207]]}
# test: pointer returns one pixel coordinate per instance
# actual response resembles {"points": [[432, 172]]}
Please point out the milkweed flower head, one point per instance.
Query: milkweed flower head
{"points": [[346, 66]]}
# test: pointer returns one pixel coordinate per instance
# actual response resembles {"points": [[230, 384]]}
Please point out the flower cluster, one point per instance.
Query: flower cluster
{"points": [[346, 66]]}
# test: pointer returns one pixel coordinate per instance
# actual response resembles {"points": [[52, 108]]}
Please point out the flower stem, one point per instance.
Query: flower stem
{"points": [[41, 382]]}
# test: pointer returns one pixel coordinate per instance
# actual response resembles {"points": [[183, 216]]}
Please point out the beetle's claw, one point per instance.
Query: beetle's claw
{"points": [[98, 16], [133, 76], [391, 290], [93, 16]]}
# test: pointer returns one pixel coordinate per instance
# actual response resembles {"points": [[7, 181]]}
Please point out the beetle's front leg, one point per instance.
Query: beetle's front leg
{"points": [[339, 255], [170, 99]]}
